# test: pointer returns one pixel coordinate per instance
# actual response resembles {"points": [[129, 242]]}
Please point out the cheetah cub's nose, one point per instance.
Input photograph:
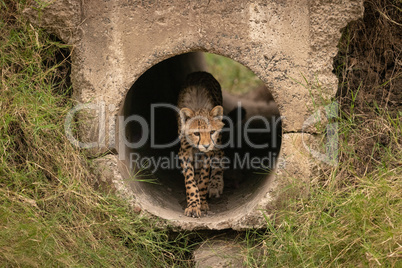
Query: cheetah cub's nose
{"points": [[206, 146]]}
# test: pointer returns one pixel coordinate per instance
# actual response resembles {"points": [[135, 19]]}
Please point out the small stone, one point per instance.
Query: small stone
{"points": [[137, 209]]}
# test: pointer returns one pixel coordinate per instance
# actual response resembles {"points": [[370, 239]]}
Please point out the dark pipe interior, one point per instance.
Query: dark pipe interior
{"points": [[160, 84]]}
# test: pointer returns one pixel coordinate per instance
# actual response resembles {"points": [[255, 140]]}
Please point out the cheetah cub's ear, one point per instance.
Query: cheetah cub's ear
{"points": [[185, 114], [217, 112]]}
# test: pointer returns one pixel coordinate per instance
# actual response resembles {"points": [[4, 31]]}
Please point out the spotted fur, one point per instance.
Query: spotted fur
{"points": [[200, 124]]}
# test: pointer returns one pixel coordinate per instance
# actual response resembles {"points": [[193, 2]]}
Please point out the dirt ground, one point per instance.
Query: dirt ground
{"points": [[369, 67]]}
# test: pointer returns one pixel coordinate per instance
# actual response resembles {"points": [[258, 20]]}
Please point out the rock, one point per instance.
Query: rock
{"points": [[218, 254]]}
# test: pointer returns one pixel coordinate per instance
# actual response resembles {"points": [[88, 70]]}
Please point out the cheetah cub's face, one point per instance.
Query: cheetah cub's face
{"points": [[201, 128]]}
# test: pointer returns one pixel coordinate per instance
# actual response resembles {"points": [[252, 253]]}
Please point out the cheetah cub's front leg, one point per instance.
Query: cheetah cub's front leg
{"points": [[193, 208], [203, 168], [215, 187]]}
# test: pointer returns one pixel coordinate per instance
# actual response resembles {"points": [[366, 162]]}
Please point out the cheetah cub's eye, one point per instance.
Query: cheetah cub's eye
{"points": [[197, 134], [212, 132]]}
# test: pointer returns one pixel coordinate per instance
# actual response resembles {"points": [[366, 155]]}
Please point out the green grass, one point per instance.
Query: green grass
{"points": [[354, 221], [52, 215], [233, 76], [352, 216]]}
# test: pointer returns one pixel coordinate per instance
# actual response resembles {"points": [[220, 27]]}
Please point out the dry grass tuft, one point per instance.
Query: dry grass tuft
{"points": [[369, 62], [369, 66]]}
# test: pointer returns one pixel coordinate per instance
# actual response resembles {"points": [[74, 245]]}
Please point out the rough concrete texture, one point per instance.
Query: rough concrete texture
{"points": [[245, 209], [282, 42], [218, 253]]}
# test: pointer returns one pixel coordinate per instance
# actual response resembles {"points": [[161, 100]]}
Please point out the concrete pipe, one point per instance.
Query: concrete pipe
{"points": [[128, 55]]}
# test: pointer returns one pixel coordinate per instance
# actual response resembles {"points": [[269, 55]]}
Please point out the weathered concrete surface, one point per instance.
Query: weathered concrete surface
{"points": [[217, 253], [115, 42], [245, 209]]}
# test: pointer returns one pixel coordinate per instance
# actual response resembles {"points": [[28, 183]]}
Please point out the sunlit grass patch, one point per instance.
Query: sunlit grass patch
{"points": [[233, 76], [350, 217]]}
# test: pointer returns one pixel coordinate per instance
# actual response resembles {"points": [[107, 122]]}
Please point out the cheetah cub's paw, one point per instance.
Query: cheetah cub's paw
{"points": [[204, 206], [213, 192], [215, 188], [192, 212]]}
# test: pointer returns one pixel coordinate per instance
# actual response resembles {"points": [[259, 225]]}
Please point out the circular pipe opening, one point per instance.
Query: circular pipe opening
{"points": [[149, 151]]}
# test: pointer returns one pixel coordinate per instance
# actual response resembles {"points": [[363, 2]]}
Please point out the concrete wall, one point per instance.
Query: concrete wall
{"points": [[282, 42]]}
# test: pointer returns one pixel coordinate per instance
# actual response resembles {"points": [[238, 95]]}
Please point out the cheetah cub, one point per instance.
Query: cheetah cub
{"points": [[200, 124]]}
